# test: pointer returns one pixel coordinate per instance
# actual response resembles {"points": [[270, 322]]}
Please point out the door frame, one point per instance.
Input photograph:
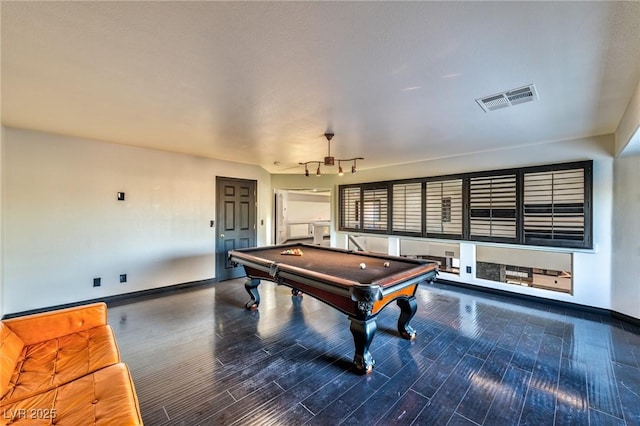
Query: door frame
{"points": [[220, 265]]}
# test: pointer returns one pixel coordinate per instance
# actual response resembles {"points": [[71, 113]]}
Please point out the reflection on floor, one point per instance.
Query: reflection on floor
{"points": [[198, 357]]}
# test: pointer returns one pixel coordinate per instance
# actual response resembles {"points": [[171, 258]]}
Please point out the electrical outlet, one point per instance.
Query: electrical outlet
{"points": [[468, 269], [123, 278], [96, 282]]}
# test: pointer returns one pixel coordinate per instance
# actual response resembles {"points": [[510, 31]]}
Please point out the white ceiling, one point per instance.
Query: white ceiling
{"points": [[260, 82]]}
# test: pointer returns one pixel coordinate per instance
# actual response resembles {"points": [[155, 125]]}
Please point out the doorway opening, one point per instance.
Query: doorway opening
{"points": [[302, 215]]}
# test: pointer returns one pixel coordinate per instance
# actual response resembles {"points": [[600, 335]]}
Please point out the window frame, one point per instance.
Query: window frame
{"points": [[489, 175], [356, 208], [391, 185], [465, 207], [587, 241], [520, 239]]}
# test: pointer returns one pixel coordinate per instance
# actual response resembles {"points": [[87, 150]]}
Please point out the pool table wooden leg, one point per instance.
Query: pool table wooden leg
{"points": [[363, 332], [408, 308], [251, 285]]}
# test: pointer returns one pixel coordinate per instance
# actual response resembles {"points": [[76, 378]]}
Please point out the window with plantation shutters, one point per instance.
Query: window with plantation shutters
{"points": [[492, 207], [548, 205], [350, 207], [406, 216], [443, 206], [554, 206], [374, 208]]}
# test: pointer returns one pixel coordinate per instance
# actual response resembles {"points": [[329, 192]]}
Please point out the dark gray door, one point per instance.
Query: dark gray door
{"points": [[236, 217]]}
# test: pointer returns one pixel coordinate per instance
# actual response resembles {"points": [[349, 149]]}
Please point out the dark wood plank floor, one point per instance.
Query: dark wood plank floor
{"points": [[198, 357]]}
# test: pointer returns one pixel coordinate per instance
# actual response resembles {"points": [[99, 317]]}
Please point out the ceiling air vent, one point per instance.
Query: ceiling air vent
{"points": [[511, 97]]}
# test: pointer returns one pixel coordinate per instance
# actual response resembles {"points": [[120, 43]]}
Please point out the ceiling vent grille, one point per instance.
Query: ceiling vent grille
{"points": [[511, 97]]}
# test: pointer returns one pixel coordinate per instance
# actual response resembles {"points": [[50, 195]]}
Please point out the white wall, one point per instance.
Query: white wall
{"points": [[592, 268], [628, 126], [1, 221], [64, 226], [596, 148], [626, 212], [626, 236], [308, 207]]}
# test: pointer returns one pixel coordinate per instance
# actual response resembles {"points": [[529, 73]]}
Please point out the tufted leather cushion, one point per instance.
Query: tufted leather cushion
{"points": [[45, 365], [10, 349], [106, 397], [49, 325]]}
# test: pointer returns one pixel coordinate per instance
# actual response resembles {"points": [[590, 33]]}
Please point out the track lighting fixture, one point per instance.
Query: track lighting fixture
{"points": [[330, 160]]}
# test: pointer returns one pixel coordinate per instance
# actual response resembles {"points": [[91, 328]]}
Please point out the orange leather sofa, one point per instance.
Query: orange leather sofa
{"points": [[63, 367]]}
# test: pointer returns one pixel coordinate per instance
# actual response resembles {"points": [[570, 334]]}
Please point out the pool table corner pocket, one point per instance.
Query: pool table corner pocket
{"points": [[365, 296]]}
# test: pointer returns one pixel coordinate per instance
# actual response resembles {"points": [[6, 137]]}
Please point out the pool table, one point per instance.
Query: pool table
{"points": [[359, 284]]}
